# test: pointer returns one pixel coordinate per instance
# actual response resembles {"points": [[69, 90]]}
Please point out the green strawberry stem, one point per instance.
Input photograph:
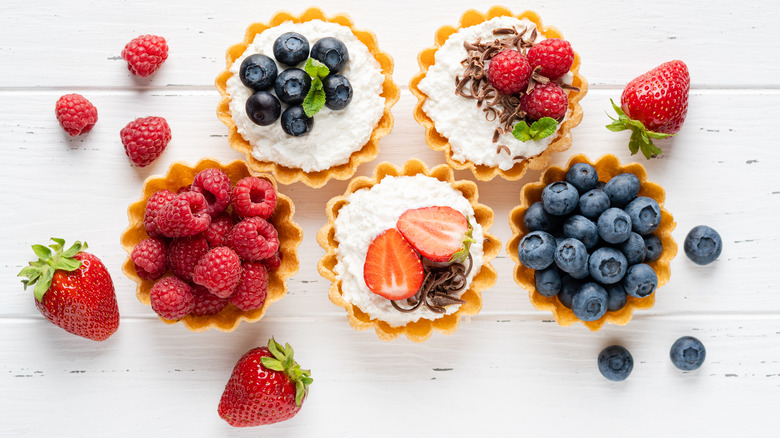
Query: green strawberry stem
{"points": [[468, 239], [50, 260], [641, 137], [283, 361]]}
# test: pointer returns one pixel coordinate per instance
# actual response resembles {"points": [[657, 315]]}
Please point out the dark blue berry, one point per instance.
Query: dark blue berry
{"points": [[703, 245], [593, 203], [338, 92], [622, 189], [687, 353], [331, 52], [537, 250], [583, 229], [291, 49], [571, 256], [653, 247], [583, 176], [645, 215], [607, 265], [263, 108], [548, 281], [590, 303], [536, 219], [258, 72], [295, 122], [614, 225], [569, 288], [615, 363], [634, 249], [560, 198], [640, 280], [617, 297], [292, 85]]}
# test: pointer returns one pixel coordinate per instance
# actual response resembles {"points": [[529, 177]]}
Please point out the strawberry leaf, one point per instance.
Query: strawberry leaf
{"points": [[43, 284], [641, 137], [42, 252], [271, 363], [75, 249], [69, 265], [41, 272]]}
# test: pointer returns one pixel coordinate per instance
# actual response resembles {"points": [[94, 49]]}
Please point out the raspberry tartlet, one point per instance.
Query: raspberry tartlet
{"points": [[307, 98], [608, 168], [408, 251], [210, 232], [484, 99]]}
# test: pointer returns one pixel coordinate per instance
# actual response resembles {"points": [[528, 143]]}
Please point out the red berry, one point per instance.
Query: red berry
{"points": [[251, 292], [509, 72], [145, 139], [206, 303], [76, 114], [440, 234], [154, 206], [554, 55], [214, 184], [219, 270], [184, 253], [216, 233], [659, 98], [254, 196], [254, 239], [273, 262], [392, 268], [149, 258], [145, 54], [545, 100], [171, 298], [185, 215]]}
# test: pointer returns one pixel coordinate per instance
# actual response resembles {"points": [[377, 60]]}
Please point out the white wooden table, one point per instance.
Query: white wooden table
{"points": [[510, 370]]}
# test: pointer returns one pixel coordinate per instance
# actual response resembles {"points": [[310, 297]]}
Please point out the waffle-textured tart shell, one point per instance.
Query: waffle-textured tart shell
{"points": [[607, 166], [290, 237], [438, 142], [289, 175], [422, 329]]}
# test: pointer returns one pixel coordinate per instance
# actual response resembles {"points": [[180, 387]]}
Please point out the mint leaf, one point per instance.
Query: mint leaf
{"points": [[521, 131], [316, 69], [543, 127], [315, 98]]}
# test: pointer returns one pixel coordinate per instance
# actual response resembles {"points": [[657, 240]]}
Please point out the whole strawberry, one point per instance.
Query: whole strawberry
{"points": [[145, 54], [145, 139], [76, 114], [73, 290], [653, 106], [266, 386]]}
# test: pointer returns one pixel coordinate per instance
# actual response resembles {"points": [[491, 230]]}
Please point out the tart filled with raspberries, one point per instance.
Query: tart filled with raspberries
{"points": [[499, 94], [211, 245]]}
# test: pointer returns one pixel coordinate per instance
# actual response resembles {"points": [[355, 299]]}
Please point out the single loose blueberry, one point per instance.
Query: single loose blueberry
{"points": [[615, 363], [338, 92], [607, 265], [295, 122], [583, 229], [653, 247], [590, 303], [569, 288], [622, 189], [583, 176], [614, 225], [560, 198], [634, 249], [537, 250], [640, 280], [292, 85], [687, 353], [593, 203], [703, 245], [291, 49], [645, 215], [617, 297], [548, 281], [331, 52], [258, 72], [536, 219], [263, 108], [571, 256]]}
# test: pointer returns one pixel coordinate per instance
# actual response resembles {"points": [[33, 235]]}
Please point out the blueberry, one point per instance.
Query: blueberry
{"points": [[295, 122], [569, 288], [571, 256], [536, 219], [607, 265], [703, 245], [548, 281], [583, 229], [687, 353], [634, 249], [292, 85], [615, 363], [617, 297], [258, 72], [537, 250], [590, 302], [653, 247], [338, 92], [601, 185], [263, 108], [291, 49], [583, 176], [614, 225], [560, 198], [622, 189], [640, 280], [645, 215], [331, 52], [593, 203]]}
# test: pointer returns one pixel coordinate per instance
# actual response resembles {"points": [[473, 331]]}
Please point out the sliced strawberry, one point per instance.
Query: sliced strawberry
{"points": [[392, 268], [440, 234]]}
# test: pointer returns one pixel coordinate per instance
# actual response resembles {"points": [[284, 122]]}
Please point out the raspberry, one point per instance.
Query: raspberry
{"points": [[145, 54], [253, 239], [183, 255], [218, 230], [253, 196], [149, 258], [76, 114], [251, 292], [509, 72], [554, 55], [145, 139], [219, 270], [153, 207], [206, 303], [545, 100], [273, 262], [214, 184], [185, 215], [171, 298]]}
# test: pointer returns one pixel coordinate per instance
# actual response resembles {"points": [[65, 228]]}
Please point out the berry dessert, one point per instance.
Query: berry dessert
{"points": [[145, 54], [76, 114], [592, 242], [307, 98], [408, 251], [211, 245], [499, 93]]}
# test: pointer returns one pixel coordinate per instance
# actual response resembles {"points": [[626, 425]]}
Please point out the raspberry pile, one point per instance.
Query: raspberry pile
{"points": [[216, 240]]}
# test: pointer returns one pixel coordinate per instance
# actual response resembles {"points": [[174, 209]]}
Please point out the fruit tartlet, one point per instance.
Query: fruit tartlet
{"points": [[592, 242], [211, 245], [307, 98], [408, 251], [499, 93]]}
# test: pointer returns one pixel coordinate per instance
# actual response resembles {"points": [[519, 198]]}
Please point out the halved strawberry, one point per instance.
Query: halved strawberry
{"points": [[440, 234], [392, 268]]}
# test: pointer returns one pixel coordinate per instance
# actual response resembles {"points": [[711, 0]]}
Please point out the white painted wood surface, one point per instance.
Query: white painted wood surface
{"points": [[507, 371]]}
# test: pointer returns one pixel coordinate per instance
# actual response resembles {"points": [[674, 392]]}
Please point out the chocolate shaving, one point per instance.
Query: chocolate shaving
{"points": [[566, 86], [439, 287], [503, 147]]}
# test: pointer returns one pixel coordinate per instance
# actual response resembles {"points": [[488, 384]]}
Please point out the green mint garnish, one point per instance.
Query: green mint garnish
{"points": [[538, 130], [315, 98]]}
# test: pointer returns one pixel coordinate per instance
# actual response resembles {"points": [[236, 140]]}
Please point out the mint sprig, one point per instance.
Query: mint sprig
{"points": [[641, 137], [315, 98], [538, 130]]}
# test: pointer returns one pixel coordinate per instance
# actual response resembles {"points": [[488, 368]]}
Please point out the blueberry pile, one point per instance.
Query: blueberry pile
{"points": [[589, 242], [292, 85]]}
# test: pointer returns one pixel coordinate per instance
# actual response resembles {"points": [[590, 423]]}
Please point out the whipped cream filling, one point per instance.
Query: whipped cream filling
{"points": [[335, 135], [372, 211]]}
